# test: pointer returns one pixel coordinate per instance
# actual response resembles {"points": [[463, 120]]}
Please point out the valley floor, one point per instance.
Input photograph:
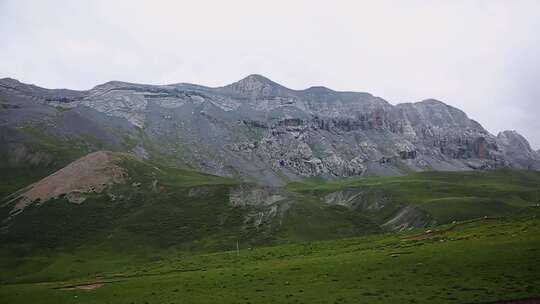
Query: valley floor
{"points": [[478, 261]]}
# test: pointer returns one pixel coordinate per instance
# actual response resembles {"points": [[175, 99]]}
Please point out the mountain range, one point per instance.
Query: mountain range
{"points": [[254, 129]]}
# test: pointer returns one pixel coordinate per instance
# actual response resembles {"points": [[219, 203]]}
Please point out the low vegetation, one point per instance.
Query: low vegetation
{"points": [[446, 196], [467, 262], [172, 236]]}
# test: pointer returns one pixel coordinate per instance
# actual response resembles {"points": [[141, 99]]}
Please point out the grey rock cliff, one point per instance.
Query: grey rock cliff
{"points": [[260, 130]]}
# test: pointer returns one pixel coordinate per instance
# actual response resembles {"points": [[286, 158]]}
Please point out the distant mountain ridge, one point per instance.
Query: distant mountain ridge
{"points": [[255, 128]]}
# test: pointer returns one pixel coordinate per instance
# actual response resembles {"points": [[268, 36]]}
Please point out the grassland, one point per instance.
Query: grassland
{"points": [[467, 262], [174, 241], [445, 196]]}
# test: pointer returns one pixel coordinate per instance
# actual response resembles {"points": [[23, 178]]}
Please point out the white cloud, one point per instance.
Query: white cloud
{"points": [[480, 56]]}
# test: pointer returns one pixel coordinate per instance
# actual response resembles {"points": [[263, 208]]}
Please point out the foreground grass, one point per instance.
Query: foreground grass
{"points": [[471, 262]]}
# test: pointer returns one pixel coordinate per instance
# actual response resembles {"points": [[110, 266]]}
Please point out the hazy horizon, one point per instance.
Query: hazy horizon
{"points": [[482, 57]]}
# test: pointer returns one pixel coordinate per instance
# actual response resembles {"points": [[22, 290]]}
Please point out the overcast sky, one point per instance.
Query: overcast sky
{"points": [[480, 56]]}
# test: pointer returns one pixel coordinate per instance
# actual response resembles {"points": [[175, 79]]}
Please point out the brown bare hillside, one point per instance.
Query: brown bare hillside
{"points": [[91, 173]]}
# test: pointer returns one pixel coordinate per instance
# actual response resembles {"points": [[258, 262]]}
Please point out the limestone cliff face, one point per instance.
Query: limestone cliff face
{"points": [[261, 130], [516, 148]]}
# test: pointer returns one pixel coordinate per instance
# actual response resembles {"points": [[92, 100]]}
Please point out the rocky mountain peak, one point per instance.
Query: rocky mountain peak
{"points": [[514, 139], [256, 78], [114, 84], [319, 90], [9, 81], [432, 102], [257, 86]]}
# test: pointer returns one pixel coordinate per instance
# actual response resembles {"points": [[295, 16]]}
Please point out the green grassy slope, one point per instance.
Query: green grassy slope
{"points": [[445, 196], [41, 155], [191, 211], [469, 262], [146, 213], [160, 208], [168, 235]]}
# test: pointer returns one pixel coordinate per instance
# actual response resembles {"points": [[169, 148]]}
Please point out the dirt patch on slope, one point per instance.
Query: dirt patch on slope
{"points": [[89, 286], [91, 173]]}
